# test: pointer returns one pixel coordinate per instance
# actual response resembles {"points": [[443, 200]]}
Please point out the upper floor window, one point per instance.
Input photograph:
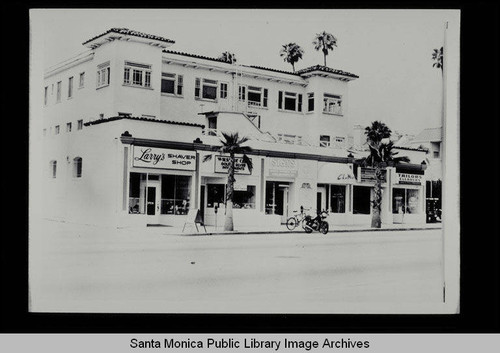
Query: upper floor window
{"points": [[77, 167], [70, 87], [56, 131], [103, 73], [310, 102], [435, 146], [68, 127], [53, 168], [171, 83], [332, 104], [46, 95], [205, 89], [82, 80], [79, 124], [136, 74], [324, 141], [59, 86], [223, 90], [242, 93], [290, 101], [257, 96]]}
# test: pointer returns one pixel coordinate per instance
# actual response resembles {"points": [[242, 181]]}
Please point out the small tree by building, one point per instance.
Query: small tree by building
{"points": [[228, 57], [291, 53], [325, 42], [232, 144], [381, 154]]}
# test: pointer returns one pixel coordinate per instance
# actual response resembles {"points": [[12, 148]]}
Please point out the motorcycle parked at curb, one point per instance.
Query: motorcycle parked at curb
{"points": [[317, 223]]}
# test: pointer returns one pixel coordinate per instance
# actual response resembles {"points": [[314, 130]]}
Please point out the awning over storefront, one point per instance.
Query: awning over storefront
{"points": [[335, 173]]}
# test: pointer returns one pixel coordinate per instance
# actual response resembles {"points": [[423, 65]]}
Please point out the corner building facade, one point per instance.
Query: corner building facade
{"points": [[128, 124]]}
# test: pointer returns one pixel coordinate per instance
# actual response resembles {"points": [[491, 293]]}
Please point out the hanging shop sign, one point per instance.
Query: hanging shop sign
{"points": [[407, 178], [222, 165], [368, 175], [282, 167], [162, 158]]}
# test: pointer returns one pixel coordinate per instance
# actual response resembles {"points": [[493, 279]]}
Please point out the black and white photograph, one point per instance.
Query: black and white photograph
{"points": [[244, 161]]}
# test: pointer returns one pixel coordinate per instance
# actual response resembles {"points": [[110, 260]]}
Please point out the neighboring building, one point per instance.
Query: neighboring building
{"points": [[127, 126], [431, 141]]}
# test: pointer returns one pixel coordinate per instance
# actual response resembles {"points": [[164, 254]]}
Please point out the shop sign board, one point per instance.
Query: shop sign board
{"points": [[282, 167], [408, 178], [335, 173], [163, 158], [368, 175], [222, 165]]}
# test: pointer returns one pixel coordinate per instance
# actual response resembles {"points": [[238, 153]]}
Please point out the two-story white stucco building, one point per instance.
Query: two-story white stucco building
{"points": [[126, 126]]}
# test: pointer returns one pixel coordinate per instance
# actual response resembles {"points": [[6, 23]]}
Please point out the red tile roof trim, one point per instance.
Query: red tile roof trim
{"points": [[114, 118], [130, 32]]}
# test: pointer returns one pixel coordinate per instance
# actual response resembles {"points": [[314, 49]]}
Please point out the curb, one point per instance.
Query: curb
{"points": [[300, 232]]}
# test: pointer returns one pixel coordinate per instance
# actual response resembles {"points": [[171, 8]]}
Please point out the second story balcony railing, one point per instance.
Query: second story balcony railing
{"points": [[254, 104]]}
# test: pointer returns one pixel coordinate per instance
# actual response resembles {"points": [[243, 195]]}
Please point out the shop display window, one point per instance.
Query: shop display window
{"points": [[215, 194], [135, 193], [337, 199], [405, 201], [244, 198], [175, 194], [361, 199]]}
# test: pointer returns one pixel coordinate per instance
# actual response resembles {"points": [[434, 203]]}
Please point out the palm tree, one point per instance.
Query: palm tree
{"points": [[437, 56], [228, 57], [291, 53], [232, 144], [325, 41], [381, 153]]}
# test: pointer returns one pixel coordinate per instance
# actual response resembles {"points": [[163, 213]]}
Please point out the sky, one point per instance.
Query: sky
{"points": [[390, 50]]}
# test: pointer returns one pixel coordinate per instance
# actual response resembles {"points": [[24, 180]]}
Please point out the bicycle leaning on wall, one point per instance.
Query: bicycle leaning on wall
{"points": [[297, 219]]}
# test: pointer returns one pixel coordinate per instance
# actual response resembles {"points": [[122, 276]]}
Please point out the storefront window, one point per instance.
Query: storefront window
{"points": [[135, 192], [215, 194], [413, 201], [244, 198], [175, 194], [398, 201], [361, 200], [275, 197], [405, 201], [337, 199]]}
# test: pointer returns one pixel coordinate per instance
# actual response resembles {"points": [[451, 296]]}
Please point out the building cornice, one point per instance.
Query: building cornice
{"points": [[115, 118], [194, 146], [68, 64], [126, 34]]}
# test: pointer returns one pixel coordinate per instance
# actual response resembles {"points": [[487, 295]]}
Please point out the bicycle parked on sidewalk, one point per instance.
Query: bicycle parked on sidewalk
{"points": [[298, 218]]}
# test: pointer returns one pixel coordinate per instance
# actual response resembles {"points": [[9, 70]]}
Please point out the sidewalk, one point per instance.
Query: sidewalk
{"points": [[190, 229]]}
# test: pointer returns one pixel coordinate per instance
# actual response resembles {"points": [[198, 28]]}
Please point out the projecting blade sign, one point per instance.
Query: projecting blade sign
{"points": [[162, 158]]}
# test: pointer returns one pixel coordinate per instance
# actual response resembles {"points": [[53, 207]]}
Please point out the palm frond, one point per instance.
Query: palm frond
{"points": [[248, 162]]}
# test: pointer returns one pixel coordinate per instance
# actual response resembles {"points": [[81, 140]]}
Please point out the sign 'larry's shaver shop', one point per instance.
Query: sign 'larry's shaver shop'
{"points": [[164, 158]]}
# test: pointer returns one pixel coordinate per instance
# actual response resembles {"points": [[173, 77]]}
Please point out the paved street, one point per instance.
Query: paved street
{"points": [[90, 269]]}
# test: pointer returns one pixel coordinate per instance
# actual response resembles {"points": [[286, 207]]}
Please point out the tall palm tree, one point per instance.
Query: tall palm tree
{"points": [[291, 53], [437, 56], [325, 41], [381, 153], [232, 144], [228, 57]]}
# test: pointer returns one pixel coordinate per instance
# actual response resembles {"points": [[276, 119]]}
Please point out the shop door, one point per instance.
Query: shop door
{"points": [[282, 203], [152, 202], [202, 202], [321, 199]]}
